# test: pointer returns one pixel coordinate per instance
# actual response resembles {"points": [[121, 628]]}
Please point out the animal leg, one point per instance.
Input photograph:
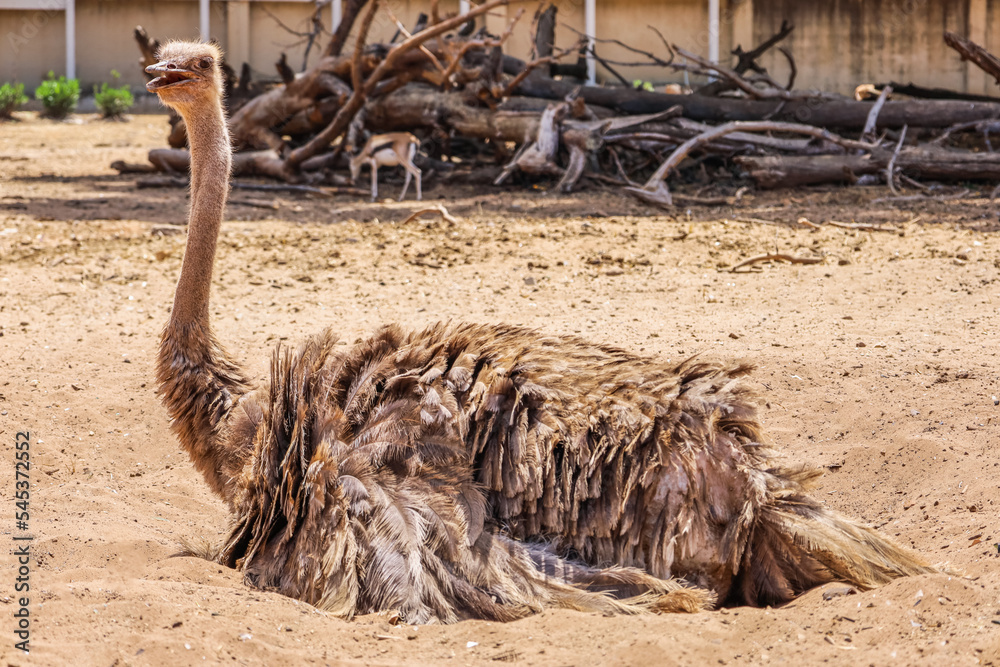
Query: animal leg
{"points": [[406, 184], [415, 170], [374, 165], [627, 584]]}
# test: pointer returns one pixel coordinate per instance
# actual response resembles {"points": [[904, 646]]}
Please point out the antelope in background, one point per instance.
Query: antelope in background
{"points": [[388, 150]]}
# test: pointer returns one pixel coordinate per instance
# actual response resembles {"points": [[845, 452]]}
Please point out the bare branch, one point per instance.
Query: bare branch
{"points": [[655, 60], [538, 62], [890, 170], [733, 77]]}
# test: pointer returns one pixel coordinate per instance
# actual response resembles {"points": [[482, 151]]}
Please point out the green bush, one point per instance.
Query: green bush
{"points": [[11, 97], [113, 102], [58, 96]]}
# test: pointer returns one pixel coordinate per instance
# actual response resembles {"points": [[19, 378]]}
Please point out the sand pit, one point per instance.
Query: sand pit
{"points": [[878, 363]]}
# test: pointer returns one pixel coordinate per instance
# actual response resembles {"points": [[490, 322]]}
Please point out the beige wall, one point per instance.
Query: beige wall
{"points": [[837, 44], [103, 38], [683, 22], [31, 44]]}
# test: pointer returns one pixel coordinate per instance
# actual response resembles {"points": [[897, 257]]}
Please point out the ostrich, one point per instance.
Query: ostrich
{"points": [[482, 471]]}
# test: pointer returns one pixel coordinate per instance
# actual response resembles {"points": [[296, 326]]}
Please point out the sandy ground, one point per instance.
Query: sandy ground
{"points": [[880, 364]]}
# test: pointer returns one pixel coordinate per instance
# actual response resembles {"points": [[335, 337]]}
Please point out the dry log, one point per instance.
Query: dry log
{"points": [[248, 163], [775, 171], [835, 113], [253, 125], [911, 90]]}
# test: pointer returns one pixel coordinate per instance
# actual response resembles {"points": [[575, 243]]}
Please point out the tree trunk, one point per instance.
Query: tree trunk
{"points": [[775, 171]]}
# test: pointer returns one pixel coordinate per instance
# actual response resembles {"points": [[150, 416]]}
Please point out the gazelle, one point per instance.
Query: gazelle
{"points": [[388, 150]]}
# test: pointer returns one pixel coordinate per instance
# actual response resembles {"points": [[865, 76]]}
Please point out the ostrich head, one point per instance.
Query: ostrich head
{"points": [[189, 73]]}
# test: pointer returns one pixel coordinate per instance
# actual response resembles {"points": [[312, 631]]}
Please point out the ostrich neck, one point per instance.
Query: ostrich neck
{"points": [[210, 164]]}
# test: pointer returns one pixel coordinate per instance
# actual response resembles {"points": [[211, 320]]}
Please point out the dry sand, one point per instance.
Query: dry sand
{"points": [[880, 364]]}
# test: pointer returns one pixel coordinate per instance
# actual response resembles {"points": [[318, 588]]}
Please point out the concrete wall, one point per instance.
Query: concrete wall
{"points": [[31, 44], [837, 44]]}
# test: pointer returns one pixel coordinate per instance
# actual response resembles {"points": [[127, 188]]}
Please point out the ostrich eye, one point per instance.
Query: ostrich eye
{"points": [[204, 63]]}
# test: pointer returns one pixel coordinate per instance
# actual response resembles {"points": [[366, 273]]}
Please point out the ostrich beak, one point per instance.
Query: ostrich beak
{"points": [[167, 74]]}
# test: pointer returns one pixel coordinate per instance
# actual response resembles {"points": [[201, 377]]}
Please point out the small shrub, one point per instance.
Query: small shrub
{"points": [[11, 97], [113, 102], [58, 96]]}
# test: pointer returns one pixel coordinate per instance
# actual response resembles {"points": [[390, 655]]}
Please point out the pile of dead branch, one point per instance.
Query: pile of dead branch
{"points": [[484, 116]]}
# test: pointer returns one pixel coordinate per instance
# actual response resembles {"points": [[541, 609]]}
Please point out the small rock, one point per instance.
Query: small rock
{"points": [[860, 344], [843, 261], [245, 637], [529, 281], [734, 336], [839, 591], [471, 644]]}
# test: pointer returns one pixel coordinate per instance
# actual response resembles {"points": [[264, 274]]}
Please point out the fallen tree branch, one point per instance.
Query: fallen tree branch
{"points": [[868, 134], [439, 209], [776, 257], [862, 226], [655, 190], [772, 171], [351, 10], [974, 53], [890, 170], [343, 118], [731, 76], [747, 61]]}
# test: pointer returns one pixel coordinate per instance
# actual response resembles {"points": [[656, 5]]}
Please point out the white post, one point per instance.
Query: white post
{"points": [[463, 7], [713, 30], [205, 32], [590, 28], [336, 14], [70, 39]]}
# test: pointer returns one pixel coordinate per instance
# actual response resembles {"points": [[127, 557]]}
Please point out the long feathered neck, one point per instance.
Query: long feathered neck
{"points": [[210, 164], [198, 380]]}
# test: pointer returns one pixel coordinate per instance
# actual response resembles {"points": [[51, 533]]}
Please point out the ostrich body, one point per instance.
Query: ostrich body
{"points": [[482, 471]]}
